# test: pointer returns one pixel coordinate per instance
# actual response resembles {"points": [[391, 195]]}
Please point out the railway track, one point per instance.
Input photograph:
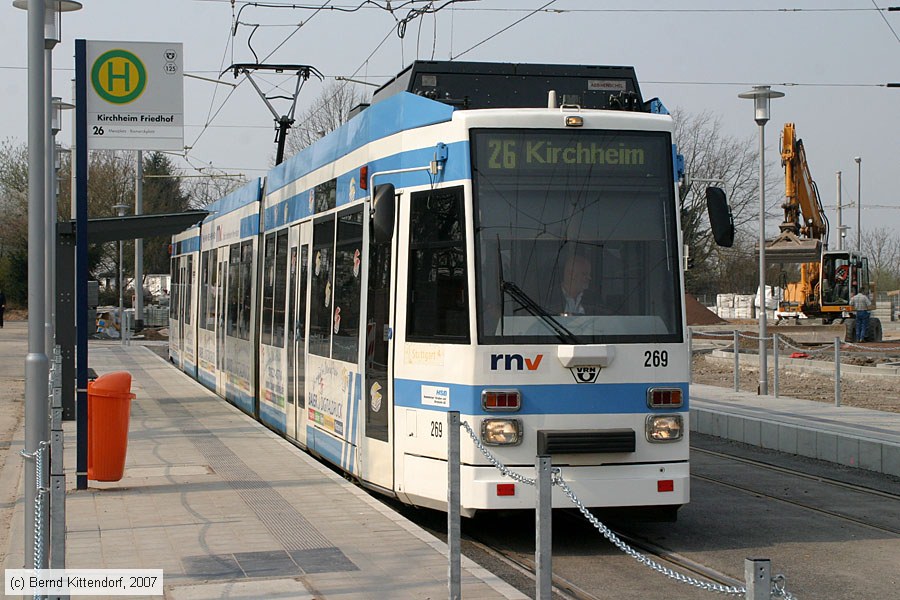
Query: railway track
{"points": [[568, 590], [511, 556], [801, 475]]}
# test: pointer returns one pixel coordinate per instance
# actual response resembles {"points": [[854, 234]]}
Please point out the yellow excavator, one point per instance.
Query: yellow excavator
{"points": [[828, 278]]}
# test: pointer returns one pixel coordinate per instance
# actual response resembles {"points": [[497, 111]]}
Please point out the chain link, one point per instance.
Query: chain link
{"points": [[38, 456], [556, 478]]}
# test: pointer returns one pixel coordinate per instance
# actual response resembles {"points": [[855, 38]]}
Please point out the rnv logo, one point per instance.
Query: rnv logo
{"points": [[515, 362]]}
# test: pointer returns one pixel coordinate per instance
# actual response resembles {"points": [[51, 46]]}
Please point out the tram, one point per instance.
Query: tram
{"points": [[501, 240]]}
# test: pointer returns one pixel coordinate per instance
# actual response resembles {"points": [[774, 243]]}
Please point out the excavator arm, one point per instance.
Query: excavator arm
{"points": [[800, 190], [805, 227]]}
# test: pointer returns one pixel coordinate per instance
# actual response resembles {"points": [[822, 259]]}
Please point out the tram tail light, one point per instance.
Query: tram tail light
{"points": [[664, 428], [664, 398], [665, 485], [506, 489], [501, 432], [501, 400]]}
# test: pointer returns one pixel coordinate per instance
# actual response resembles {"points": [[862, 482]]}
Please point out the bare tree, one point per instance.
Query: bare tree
{"points": [[329, 111], [732, 163], [882, 247]]}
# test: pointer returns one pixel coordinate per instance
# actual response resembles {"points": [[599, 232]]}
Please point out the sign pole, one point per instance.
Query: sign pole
{"points": [[81, 263]]}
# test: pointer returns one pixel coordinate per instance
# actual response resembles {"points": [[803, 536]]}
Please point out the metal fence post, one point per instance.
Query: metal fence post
{"points": [[775, 363], [543, 513], [837, 371], [758, 578], [737, 361], [454, 581]]}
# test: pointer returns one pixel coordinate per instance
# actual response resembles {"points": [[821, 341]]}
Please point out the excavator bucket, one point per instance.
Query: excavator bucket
{"points": [[788, 248]]}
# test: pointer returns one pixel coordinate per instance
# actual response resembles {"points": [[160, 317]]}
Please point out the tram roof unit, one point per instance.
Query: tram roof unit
{"points": [[408, 102], [473, 85]]}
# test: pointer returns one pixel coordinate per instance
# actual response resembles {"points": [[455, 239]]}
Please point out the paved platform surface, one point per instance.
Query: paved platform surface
{"points": [[230, 510], [854, 437]]}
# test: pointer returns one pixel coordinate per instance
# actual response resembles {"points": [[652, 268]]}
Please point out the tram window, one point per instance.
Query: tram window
{"points": [[325, 196], [437, 306], [207, 292], [188, 290], [246, 290], [173, 288], [234, 280], [320, 302], [281, 252], [213, 286], [268, 288], [347, 271]]}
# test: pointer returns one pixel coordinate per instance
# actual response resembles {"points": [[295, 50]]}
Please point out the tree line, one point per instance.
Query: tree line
{"points": [[111, 181]]}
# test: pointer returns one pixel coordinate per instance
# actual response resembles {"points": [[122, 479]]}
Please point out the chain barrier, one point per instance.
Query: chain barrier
{"points": [[38, 456], [778, 590], [807, 349]]}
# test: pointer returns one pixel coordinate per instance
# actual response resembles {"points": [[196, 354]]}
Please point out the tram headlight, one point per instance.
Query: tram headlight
{"points": [[664, 428], [501, 432]]}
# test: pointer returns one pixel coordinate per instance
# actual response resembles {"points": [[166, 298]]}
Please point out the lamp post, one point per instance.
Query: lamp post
{"points": [[42, 37], [858, 160], [761, 95], [120, 210]]}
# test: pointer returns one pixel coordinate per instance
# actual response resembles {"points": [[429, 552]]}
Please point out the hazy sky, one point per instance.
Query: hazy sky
{"points": [[832, 60]]}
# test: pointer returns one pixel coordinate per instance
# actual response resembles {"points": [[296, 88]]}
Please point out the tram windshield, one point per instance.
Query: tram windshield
{"points": [[576, 237]]}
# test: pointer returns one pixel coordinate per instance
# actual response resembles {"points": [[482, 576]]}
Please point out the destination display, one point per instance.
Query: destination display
{"points": [[517, 151]]}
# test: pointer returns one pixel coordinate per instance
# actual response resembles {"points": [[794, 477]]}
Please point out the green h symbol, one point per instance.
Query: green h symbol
{"points": [[111, 77]]}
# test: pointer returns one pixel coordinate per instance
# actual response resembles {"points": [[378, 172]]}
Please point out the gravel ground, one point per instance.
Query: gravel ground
{"points": [[874, 392]]}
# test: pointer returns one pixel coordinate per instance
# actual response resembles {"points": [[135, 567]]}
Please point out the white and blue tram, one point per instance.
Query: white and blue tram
{"points": [[500, 240]]}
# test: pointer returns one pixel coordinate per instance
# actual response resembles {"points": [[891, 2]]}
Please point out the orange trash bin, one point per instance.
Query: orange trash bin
{"points": [[109, 410]]}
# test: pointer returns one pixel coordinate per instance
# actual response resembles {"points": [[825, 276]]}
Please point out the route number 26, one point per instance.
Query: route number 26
{"points": [[656, 358]]}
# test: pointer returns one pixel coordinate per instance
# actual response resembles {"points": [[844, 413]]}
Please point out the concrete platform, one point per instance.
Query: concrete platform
{"points": [[230, 510], [855, 437]]}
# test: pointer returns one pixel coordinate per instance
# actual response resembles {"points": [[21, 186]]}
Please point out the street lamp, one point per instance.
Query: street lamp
{"points": [[42, 37], [761, 95], [120, 210], [858, 160]]}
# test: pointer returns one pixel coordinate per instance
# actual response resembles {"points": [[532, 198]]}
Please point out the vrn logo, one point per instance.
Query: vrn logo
{"points": [[515, 362]]}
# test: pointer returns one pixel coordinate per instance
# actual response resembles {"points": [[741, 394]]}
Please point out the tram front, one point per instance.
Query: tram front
{"points": [[580, 323]]}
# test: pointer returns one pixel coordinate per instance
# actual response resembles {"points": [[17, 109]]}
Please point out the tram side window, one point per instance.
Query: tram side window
{"points": [[246, 290], [320, 301], [207, 292], [234, 280], [437, 306], [173, 285], [347, 288], [188, 289], [268, 288], [281, 266]]}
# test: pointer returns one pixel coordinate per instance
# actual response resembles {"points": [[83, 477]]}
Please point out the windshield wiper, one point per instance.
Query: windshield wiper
{"points": [[516, 293]]}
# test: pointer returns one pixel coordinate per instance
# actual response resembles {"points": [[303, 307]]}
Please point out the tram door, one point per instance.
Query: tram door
{"points": [[221, 288], [376, 406], [298, 282], [184, 305]]}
